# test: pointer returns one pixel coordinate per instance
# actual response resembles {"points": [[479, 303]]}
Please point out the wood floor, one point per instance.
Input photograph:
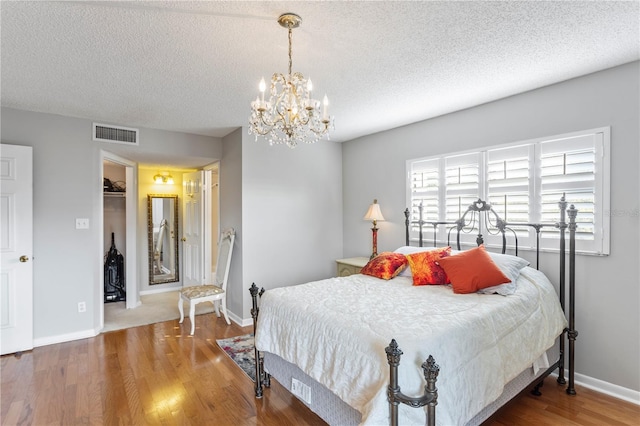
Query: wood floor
{"points": [[159, 375]]}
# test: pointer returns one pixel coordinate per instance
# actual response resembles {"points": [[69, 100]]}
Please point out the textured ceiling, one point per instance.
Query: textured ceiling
{"points": [[194, 66]]}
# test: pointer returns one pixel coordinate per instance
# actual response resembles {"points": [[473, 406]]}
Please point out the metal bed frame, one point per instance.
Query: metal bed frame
{"points": [[430, 368]]}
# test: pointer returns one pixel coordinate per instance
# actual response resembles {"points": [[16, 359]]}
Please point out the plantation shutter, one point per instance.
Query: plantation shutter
{"points": [[425, 183], [568, 166], [462, 183], [508, 185], [523, 182]]}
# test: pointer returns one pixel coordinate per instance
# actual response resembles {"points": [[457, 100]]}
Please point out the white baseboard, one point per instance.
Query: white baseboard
{"points": [[242, 322], [61, 338], [606, 388], [160, 290]]}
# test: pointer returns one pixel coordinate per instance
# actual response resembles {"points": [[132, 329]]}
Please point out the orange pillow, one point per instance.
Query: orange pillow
{"points": [[472, 270], [425, 268], [386, 265]]}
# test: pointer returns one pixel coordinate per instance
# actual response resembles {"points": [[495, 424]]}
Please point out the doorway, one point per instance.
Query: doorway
{"points": [[157, 304], [119, 213]]}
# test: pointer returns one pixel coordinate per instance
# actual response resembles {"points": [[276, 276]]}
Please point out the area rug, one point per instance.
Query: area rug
{"points": [[240, 350]]}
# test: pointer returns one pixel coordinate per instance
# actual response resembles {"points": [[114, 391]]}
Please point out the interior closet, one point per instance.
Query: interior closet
{"points": [[114, 228]]}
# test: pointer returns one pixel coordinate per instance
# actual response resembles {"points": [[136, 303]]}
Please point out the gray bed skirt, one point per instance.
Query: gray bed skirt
{"points": [[334, 411]]}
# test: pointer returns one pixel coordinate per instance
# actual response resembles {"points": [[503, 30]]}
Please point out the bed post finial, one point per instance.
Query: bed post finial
{"points": [[393, 353]]}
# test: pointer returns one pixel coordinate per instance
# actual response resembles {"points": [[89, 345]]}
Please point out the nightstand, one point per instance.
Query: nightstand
{"points": [[351, 265]]}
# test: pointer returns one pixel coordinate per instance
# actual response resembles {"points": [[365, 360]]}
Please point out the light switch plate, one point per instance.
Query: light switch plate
{"points": [[82, 223]]}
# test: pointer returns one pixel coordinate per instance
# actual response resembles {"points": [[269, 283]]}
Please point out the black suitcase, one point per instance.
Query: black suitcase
{"points": [[114, 282]]}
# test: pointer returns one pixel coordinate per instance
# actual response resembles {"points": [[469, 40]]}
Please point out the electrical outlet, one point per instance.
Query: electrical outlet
{"points": [[82, 223], [301, 390], [82, 307]]}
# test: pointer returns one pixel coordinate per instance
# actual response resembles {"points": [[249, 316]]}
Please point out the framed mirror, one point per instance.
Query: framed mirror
{"points": [[162, 220]]}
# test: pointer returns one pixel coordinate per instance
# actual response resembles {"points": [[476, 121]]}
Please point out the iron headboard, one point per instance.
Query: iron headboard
{"points": [[480, 212]]}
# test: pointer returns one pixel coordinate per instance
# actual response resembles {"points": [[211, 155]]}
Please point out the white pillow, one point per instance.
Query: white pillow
{"points": [[511, 267], [411, 249]]}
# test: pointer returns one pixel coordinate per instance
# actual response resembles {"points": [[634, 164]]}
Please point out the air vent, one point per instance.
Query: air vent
{"points": [[115, 134]]}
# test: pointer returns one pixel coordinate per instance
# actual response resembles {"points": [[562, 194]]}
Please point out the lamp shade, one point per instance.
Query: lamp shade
{"points": [[374, 213]]}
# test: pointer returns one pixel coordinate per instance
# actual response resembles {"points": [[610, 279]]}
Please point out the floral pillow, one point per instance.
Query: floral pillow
{"points": [[425, 268], [386, 265]]}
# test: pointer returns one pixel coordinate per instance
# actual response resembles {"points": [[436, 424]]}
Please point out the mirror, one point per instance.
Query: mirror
{"points": [[162, 219]]}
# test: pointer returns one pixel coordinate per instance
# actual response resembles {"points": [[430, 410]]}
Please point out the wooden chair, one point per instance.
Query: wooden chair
{"points": [[214, 293]]}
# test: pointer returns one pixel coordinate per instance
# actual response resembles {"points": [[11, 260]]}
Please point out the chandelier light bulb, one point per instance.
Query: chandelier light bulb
{"points": [[262, 86]]}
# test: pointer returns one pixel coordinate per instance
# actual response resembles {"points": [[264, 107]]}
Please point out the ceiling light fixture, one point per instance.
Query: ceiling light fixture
{"points": [[290, 115]]}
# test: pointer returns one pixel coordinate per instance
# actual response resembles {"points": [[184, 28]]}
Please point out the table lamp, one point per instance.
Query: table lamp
{"points": [[374, 214]]}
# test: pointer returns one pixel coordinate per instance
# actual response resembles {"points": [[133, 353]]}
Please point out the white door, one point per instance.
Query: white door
{"points": [[192, 229], [16, 248]]}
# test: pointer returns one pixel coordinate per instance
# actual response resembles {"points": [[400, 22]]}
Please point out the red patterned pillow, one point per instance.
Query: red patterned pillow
{"points": [[425, 268], [472, 270], [386, 265]]}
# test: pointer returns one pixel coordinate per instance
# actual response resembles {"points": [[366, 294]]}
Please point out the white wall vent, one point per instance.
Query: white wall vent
{"points": [[115, 134]]}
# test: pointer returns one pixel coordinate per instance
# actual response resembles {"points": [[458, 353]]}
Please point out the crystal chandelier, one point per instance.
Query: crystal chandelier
{"points": [[290, 115]]}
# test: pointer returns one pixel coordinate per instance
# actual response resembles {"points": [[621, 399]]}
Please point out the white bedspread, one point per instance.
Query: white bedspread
{"points": [[336, 331]]}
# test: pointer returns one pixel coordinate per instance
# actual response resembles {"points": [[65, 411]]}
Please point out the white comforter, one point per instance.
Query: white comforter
{"points": [[336, 331]]}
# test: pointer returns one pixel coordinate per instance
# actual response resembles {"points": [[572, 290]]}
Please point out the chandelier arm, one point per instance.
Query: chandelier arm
{"points": [[268, 123]]}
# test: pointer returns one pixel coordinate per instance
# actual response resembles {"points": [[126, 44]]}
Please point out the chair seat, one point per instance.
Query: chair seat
{"points": [[199, 291]]}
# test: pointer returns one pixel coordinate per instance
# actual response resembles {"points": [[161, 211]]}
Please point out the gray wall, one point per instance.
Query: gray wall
{"points": [[292, 213], [231, 216], [67, 184], [289, 218], [608, 294]]}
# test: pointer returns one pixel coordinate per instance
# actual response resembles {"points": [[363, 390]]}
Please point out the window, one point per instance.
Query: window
{"points": [[523, 181]]}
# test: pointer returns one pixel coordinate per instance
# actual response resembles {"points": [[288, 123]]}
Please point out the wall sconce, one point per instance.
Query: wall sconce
{"points": [[374, 214], [163, 178]]}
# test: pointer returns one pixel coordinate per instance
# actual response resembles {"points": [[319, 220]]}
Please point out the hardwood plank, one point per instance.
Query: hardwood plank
{"points": [[555, 407], [159, 374]]}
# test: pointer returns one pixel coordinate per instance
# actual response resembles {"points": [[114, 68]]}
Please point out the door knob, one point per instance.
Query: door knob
{"points": [[24, 258], [183, 239]]}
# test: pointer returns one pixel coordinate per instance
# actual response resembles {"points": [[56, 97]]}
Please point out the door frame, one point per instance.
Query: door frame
{"points": [[208, 210], [131, 207]]}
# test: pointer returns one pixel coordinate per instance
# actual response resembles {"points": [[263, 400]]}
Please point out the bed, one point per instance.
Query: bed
{"points": [[337, 343]]}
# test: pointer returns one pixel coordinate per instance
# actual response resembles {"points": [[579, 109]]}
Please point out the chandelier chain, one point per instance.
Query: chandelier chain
{"points": [[290, 49]]}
